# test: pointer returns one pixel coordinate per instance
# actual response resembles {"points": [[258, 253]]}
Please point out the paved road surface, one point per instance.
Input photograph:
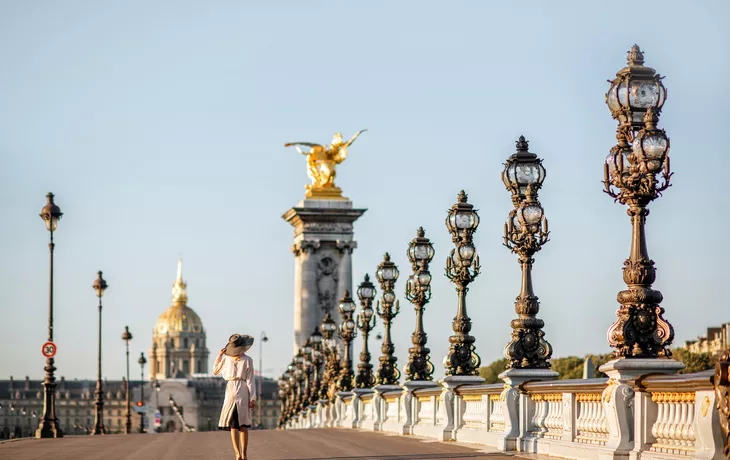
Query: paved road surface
{"points": [[330, 444]]}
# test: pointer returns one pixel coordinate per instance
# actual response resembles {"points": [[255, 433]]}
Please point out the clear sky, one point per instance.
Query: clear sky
{"points": [[160, 127]]}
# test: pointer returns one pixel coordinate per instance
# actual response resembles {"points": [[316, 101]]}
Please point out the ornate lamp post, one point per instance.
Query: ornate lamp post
{"points": [[261, 375], [332, 362], [387, 308], [306, 373], [298, 371], [99, 286], [127, 336], [525, 232], [366, 323], [636, 172], [142, 361], [418, 292], [347, 331], [316, 339], [282, 382], [49, 426], [462, 267]]}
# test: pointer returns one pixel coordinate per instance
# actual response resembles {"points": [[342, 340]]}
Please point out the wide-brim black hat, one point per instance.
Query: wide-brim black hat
{"points": [[238, 344]]}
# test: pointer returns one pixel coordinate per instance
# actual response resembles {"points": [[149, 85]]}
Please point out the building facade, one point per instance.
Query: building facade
{"points": [[716, 340], [181, 389]]}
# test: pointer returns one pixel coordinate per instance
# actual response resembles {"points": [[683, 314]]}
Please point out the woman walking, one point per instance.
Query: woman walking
{"points": [[237, 368]]}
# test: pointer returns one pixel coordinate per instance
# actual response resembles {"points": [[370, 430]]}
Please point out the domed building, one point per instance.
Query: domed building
{"points": [[178, 341]]}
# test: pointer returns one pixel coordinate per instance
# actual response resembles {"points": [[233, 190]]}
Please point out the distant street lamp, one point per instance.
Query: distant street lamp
{"points": [[636, 173], [317, 361], [99, 286], [525, 232], [418, 292], [387, 273], [366, 323], [261, 376], [142, 361], [49, 426], [127, 336], [462, 267], [347, 332], [332, 362]]}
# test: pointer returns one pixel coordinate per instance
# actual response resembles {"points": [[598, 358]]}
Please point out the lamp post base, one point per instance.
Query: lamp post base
{"points": [[49, 429]]}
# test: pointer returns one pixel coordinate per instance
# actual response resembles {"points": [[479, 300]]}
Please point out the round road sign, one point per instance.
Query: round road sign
{"points": [[49, 349]]}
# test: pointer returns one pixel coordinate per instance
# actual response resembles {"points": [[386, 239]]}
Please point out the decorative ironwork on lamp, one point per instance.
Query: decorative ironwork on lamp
{"points": [[462, 267], [418, 292], [525, 232], [387, 308], [636, 172], [366, 323]]}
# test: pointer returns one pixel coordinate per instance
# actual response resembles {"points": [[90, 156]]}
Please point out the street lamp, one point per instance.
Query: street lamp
{"points": [[634, 91], [99, 286], [418, 292], [142, 361], [49, 426], [332, 362], [127, 336], [347, 332], [261, 375], [462, 267], [306, 373], [316, 340], [366, 323], [525, 232], [387, 273], [636, 172]]}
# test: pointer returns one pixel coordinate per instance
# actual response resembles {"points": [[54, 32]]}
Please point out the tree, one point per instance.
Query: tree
{"points": [[490, 373], [694, 362]]}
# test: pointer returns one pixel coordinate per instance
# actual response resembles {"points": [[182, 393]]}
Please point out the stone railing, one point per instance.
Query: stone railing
{"points": [[649, 418]]}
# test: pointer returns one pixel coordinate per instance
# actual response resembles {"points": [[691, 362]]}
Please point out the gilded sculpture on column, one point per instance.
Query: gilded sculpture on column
{"points": [[322, 161]]}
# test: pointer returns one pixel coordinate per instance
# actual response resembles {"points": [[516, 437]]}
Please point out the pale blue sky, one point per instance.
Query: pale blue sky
{"points": [[160, 127]]}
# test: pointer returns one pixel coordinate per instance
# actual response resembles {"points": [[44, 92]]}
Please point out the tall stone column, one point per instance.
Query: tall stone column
{"points": [[323, 245]]}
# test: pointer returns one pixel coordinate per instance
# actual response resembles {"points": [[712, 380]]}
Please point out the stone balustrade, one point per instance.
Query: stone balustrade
{"points": [[650, 418]]}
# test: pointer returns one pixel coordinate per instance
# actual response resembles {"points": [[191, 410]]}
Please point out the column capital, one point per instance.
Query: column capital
{"points": [[345, 246], [305, 246]]}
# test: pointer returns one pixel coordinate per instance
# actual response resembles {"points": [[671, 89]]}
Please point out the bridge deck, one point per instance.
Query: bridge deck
{"points": [[330, 444]]}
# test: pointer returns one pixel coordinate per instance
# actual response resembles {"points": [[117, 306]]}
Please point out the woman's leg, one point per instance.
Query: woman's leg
{"points": [[236, 445], [244, 442]]}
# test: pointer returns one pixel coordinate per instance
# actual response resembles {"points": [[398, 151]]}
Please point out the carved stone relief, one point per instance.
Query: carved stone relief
{"points": [[327, 280]]}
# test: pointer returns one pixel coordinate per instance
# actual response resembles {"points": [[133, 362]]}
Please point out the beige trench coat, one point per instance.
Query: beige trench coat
{"points": [[240, 389]]}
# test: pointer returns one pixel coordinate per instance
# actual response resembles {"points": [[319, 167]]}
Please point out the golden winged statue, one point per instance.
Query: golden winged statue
{"points": [[322, 161]]}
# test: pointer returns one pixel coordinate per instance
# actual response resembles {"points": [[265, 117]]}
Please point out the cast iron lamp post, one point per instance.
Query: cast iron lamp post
{"points": [[525, 232], [366, 323], [316, 339], [636, 172], [127, 336], [462, 267], [418, 292], [281, 382], [347, 332], [299, 363], [99, 286], [387, 273], [307, 373], [142, 361], [261, 375], [49, 426], [332, 362]]}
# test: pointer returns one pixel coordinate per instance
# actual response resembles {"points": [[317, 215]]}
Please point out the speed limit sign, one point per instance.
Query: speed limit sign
{"points": [[49, 349]]}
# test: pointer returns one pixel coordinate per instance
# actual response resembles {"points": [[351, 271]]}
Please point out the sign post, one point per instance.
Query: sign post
{"points": [[49, 349]]}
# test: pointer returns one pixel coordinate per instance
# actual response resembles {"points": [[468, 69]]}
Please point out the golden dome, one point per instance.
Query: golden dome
{"points": [[179, 317]]}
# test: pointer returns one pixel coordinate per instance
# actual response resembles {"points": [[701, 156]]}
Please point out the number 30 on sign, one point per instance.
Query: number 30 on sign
{"points": [[49, 349]]}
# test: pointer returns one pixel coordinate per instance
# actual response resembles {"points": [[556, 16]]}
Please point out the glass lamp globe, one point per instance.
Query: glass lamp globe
{"points": [[366, 290], [523, 169], [635, 89], [346, 304]]}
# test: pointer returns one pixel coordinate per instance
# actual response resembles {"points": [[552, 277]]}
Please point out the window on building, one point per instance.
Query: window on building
{"points": [[186, 366], [197, 367], [185, 342]]}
